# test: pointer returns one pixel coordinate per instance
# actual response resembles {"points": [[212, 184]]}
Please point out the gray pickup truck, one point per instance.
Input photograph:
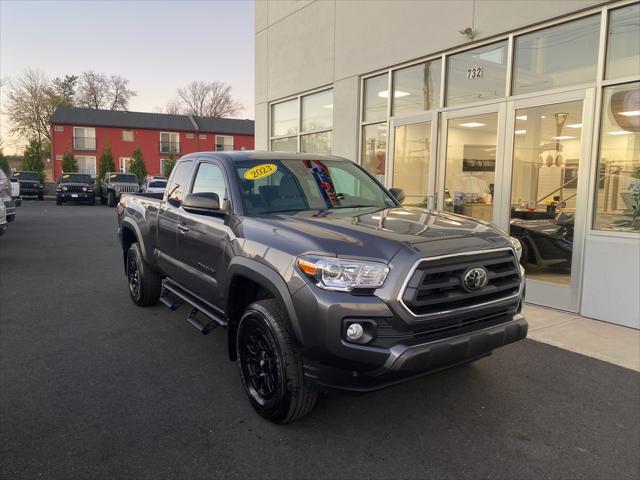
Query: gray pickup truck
{"points": [[319, 275]]}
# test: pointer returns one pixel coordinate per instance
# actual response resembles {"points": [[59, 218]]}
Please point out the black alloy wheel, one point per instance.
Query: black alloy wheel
{"points": [[133, 276]]}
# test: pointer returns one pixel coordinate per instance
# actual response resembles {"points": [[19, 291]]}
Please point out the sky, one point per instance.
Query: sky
{"points": [[158, 45]]}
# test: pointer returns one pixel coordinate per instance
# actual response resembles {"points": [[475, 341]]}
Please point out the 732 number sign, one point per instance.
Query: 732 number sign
{"points": [[473, 73]]}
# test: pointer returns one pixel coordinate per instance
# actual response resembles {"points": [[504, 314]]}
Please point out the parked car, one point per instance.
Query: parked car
{"points": [[31, 184], [75, 187], [321, 278], [154, 185], [6, 198], [115, 184], [15, 191], [3, 219]]}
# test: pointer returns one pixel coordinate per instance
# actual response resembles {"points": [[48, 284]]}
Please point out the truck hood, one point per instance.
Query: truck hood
{"points": [[377, 233], [75, 184]]}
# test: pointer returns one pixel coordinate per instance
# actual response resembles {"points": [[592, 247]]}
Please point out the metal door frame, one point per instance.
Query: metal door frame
{"points": [[500, 108], [540, 292], [430, 116]]}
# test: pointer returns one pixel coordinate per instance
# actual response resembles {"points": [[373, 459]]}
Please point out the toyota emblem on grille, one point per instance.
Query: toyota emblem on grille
{"points": [[475, 279]]}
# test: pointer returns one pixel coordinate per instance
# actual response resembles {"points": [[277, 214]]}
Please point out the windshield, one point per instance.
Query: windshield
{"points": [[75, 178], [27, 176], [158, 184], [123, 178], [271, 186]]}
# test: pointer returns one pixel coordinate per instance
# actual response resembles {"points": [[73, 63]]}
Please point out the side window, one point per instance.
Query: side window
{"points": [[178, 182], [210, 179]]}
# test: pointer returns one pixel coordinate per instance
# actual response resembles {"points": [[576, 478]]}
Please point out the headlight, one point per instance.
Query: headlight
{"points": [[117, 188], [84, 189], [90, 190], [64, 189], [343, 275], [517, 246]]}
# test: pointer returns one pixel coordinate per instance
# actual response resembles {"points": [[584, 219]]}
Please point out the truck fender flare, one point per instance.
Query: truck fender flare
{"points": [[270, 280], [127, 223]]}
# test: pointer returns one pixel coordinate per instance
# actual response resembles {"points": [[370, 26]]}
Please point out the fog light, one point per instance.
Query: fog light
{"points": [[355, 331]]}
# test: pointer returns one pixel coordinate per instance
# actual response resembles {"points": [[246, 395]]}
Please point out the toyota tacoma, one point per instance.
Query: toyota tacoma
{"points": [[322, 279]]}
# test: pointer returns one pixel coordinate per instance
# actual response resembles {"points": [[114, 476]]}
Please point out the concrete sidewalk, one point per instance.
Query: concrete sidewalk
{"points": [[604, 341]]}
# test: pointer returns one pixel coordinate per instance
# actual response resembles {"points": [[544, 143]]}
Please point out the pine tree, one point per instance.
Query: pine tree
{"points": [[137, 165], [169, 163], [106, 162], [69, 163], [32, 158]]}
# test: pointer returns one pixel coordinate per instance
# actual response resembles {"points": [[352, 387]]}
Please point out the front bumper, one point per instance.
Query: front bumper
{"points": [[406, 362], [31, 192], [401, 350], [75, 196]]}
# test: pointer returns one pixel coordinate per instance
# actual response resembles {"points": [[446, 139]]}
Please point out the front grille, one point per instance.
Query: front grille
{"points": [[436, 286], [129, 188], [75, 189], [28, 185]]}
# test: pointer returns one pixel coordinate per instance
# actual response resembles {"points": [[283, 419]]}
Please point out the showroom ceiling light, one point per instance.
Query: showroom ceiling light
{"points": [[563, 137], [521, 117], [575, 125], [620, 132], [520, 132], [632, 113], [472, 124], [396, 94]]}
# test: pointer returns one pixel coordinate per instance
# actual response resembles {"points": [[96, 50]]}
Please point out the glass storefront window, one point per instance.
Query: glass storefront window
{"points": [[470, 168], [376, 95], [317, 111], [623, 50], [617, 199], [284, 118], [559, 56], [544, 186], [416, 89], [374, 149], [478, 74], [316, 143], [284, 144]]}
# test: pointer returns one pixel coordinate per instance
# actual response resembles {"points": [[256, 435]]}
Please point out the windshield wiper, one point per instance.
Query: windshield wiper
{"points": [[356, 206]]}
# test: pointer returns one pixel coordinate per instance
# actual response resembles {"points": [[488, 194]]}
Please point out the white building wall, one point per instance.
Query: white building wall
{"points": [[302, 45]]}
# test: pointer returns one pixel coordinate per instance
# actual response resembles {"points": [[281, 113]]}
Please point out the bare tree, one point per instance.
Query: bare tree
{"points": [[173, 107], [96, 90], [208, 99], [30, 104], [119, 92], [93, 90]]}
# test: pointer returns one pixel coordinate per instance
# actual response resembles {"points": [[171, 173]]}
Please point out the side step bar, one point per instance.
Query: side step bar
{"points": [[173, 296]]}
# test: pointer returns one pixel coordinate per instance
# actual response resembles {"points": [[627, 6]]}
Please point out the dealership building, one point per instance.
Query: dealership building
{"points": [[522, 113]]}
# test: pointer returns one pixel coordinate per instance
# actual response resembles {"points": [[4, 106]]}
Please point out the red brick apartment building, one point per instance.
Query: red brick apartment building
{"points": [[86, 131]]}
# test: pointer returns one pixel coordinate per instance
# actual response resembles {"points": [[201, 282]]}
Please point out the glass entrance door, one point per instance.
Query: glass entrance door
{"points": [[471, 155], [548, 174], [412, 163]]}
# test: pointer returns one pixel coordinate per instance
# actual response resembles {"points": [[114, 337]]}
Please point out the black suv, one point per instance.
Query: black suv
{"points": [[75, 187], [321, 278], [31, 184]]}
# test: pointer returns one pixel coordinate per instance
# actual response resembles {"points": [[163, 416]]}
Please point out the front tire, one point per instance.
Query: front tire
{"points": [[92, 201], [270, 365], [58, 201], [11, 218], [103, 201], [111, 199], [144, 282]]}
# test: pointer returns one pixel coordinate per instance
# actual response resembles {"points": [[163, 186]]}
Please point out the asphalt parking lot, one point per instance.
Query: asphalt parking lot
{"points": [[92, 386]]}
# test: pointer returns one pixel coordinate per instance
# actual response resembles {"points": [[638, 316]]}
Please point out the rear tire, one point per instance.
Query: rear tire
{"points": [[271, 366], [58, 201], [144, 282], [103, 201], [111, 199]]}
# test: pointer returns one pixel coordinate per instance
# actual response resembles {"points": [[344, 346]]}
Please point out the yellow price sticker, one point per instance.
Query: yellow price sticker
{"points": [[261, 171], [17, 174], [66, 176]]}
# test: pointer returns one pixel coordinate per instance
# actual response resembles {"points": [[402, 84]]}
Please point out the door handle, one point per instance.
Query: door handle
{"points": [[183, 227]]}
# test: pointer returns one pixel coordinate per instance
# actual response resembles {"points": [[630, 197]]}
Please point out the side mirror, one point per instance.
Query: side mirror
{"points": [[202, 203], [398, 193]]}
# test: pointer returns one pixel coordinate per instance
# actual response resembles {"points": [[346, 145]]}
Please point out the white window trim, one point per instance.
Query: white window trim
{"points": [[177, 143], [233, 142], [300, 133], [89, 158], [73, 139]]}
